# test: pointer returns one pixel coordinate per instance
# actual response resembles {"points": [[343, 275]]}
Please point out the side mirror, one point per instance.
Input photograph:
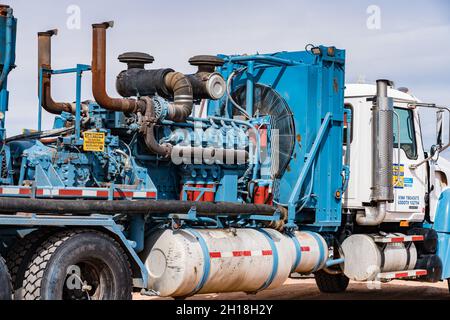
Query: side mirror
{"points": [[439, 127]]}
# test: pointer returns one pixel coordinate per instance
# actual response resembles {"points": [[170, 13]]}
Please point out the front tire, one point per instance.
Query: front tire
{"points": [[5, 282], [331, 283], [78, 265]]}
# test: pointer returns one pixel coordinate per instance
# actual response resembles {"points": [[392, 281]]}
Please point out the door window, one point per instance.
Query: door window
{"points": [[407, 132]]}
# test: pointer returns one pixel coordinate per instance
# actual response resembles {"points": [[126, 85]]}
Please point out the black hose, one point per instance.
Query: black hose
{"points": [[87, 207], [40, 134]]}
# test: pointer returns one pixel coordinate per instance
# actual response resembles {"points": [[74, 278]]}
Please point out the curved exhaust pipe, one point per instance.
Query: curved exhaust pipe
{"points": [[45, 62], [148, 129], [183, 96], [99, 74]]}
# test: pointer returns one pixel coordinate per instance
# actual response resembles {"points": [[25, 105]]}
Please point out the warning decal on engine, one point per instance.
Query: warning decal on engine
{"points": [[94, 141]]}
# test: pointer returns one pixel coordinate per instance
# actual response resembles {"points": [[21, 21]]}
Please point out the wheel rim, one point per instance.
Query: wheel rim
{"points": [[89, 280]]}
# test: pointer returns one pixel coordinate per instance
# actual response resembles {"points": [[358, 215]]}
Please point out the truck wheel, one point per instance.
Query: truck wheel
{"points": [[78, 265], [5, 282], [19, 256], [331, 283]]}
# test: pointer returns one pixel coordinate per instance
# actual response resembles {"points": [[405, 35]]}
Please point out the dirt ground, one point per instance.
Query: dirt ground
{"points": [[305, 289]]}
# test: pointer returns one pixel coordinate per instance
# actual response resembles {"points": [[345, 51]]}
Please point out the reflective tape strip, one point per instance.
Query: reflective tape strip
{"points": [[274, 253], [398, 239], [402, 274], [15, 191], [240, 254], [206, 261], [321, 250], [87, 193]]}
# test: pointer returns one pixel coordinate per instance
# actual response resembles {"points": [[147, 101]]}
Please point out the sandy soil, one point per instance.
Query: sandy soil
{"points": [[305, 289]]}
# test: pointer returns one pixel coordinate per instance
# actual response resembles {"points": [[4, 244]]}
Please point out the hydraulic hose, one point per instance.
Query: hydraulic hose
{"points": [[88, 207]]}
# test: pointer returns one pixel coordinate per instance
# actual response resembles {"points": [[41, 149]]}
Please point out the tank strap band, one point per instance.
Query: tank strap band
{"points": [[298, 251], [275, 260], [321, 250], [206, 261]]}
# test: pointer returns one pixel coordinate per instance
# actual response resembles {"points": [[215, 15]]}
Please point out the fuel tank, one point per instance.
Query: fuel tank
{"points": [[189, 261]]}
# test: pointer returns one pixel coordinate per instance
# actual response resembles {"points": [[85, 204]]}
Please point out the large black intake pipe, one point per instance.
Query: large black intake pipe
{"points": [[87, 207]]}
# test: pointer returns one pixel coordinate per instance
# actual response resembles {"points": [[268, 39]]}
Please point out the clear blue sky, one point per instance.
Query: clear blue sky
{"points": [[412, 47]]}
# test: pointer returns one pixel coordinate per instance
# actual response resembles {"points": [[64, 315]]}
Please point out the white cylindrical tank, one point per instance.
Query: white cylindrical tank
{"points": [[310, 252], [189, 261], [365, 259]]}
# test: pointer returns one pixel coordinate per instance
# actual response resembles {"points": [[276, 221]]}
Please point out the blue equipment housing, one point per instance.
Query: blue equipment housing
{"points": [[312, 86], [442, 227]]}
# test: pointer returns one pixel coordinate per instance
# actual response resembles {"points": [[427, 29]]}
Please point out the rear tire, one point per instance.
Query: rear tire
{"points": [[19, 257], [78, 265], [331, 283], [5, 282]]}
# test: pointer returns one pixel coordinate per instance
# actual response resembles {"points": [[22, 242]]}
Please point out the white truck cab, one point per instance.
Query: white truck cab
{"points": [[416, 188]]}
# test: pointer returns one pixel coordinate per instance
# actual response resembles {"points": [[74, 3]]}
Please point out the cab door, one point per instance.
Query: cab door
{"points": [[409, 184]]}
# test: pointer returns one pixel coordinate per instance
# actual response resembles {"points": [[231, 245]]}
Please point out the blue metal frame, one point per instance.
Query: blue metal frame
{"points": [[310, 157], [274, 271], [78, 70]]}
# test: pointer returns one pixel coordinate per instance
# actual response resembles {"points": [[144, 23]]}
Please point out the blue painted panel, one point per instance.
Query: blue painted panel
{"points": [[443, 252], [442, 226]]}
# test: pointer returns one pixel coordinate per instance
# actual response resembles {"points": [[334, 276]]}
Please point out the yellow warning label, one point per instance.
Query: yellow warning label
{"points": [[398, 177], [94, 141]]}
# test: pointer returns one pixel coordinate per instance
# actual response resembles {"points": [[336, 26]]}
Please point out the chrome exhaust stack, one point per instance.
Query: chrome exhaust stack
{"points": [[382, 156]]}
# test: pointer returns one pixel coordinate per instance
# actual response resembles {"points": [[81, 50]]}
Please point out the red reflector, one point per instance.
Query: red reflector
{"points": [[215, 255], [396, 240], [422, 273], [267, 252], [417, 238], [306, 249], [24, 191], [73, 193], [102, 194], [402, 275]]}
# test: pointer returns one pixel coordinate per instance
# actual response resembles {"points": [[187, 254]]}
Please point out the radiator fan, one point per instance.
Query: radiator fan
{"points": [[268, 102]]}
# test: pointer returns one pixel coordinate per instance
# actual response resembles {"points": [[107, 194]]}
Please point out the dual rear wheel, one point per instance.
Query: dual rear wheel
{"points": [[78, 264]]}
